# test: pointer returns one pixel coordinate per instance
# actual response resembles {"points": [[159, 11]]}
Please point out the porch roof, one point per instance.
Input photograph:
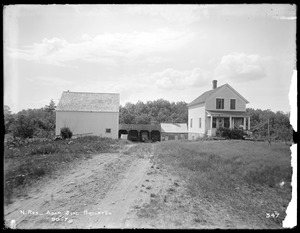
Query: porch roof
{"points": [[227, 113]]}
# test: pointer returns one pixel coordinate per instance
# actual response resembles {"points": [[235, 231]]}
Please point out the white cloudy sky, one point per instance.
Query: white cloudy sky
{"points": [[147, 52]]}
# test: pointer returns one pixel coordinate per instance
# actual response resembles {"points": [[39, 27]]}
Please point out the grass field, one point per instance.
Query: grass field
{"points": [[240, 179]]}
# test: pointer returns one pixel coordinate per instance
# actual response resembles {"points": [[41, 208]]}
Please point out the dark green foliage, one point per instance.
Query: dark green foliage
{"points": [[24, 126], [65, 133], [31, 122], [8, 119], [230, 133], [154, 112], [280, 127]]}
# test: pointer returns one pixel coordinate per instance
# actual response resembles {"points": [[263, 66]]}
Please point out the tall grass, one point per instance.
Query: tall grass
{"points": [[242, 175], [27, 162]]}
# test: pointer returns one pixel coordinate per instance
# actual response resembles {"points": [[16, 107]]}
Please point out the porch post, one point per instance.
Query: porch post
{"points": [[230, 123], [248, 123], [211, 123], [244, 123]]}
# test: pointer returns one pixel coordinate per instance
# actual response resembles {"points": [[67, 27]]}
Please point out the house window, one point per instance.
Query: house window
{"points": [[200, 122], [232, 104], [219, 103], [191, 123], [108, 130], [214, 122]]}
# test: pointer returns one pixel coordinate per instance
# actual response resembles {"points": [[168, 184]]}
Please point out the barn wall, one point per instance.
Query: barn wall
{"points": [[227, 94], [89, 122], [195, 112]]}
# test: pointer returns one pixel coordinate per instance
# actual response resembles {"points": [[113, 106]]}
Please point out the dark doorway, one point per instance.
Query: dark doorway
{"points": [[155, 136], [133, 135], [144, 135], [122, 131]]}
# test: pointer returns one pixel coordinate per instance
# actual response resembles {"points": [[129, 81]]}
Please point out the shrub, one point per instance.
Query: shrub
{"points": [[23, 127], [230, 133], [65, 132]]}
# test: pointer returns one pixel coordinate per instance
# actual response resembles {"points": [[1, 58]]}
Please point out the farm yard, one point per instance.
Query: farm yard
{"points": [[94, 182], [164, 117]]}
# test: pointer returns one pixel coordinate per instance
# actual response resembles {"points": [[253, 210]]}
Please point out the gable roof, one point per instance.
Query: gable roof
{"points": [[88, 102], [173, 128], [202, 98], [206, 95]]}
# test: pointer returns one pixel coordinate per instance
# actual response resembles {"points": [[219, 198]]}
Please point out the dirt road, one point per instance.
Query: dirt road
{"points": [[102, 192]]}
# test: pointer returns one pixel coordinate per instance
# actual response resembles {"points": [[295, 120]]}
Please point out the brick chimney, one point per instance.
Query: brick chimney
{"points": [[214, 84]]}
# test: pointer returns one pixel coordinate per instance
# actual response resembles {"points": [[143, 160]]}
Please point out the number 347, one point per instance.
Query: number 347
{"points": [[273, 215]]}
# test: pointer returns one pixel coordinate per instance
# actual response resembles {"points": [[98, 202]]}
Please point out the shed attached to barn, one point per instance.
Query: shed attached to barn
{"points": [[88, 113], [173, 131]]}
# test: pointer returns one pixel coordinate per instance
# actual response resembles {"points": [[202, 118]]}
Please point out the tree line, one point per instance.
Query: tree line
{"points": [[31, 122], [277, 124], [154, 112], [41, 122]]}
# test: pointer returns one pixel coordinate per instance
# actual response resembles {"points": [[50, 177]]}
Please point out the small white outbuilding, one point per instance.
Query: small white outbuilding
{"points": [[86, 113]]}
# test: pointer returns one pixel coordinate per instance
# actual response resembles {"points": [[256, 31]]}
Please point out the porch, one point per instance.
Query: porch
{"points": [[226, 119]]}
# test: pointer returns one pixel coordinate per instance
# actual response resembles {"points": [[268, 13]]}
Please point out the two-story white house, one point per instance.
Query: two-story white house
{"points": [[220, 107]]}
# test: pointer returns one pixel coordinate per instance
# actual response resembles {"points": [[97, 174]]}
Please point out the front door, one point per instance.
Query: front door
{"points": [[220, 122]]}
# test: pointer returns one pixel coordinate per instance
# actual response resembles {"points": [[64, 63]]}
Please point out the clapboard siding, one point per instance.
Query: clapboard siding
{"points": [[89, 122]]}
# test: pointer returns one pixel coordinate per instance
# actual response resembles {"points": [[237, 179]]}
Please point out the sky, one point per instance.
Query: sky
{"points": [[148, 52]]}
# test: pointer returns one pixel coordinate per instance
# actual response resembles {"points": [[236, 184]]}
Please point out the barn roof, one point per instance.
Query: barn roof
{"points": [[202, 98], [129, 127], [88, 102], [173, 127]]}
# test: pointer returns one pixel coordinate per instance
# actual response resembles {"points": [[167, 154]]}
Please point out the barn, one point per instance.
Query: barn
{"points": [[173, 131], [87, 113]]}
